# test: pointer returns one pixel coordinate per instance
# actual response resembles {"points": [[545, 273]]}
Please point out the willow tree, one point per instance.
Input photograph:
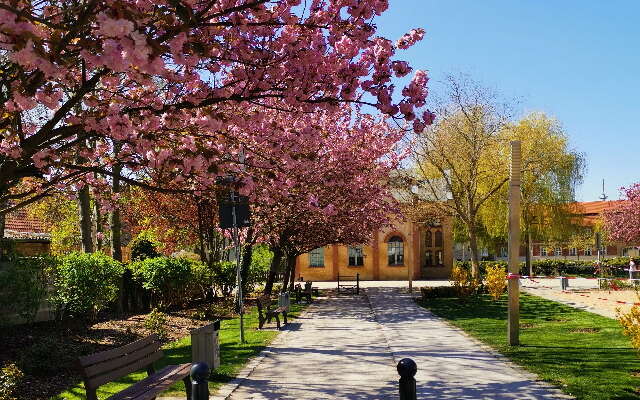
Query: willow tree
{"points": [[551, 171], [460, 161]]}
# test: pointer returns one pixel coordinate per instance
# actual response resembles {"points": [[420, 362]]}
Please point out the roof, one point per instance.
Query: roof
{"points": [[590, 211], [19, 225]]}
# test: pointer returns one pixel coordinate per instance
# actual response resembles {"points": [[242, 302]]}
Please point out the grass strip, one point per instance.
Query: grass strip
{"points": [[583, 353], [233, 356]]}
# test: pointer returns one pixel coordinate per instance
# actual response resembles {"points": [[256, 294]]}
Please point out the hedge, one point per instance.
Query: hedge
{"points": [[608, 267]]}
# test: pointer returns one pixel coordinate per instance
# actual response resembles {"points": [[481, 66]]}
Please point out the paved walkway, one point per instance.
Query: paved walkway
{"points": [[347, 348]]}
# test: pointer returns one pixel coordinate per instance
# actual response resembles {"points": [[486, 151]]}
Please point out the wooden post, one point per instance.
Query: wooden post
{"points": [[514, 246]]}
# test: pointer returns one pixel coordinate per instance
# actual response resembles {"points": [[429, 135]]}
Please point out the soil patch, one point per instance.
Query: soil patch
{"points": [[584, 330], [47, 351]]}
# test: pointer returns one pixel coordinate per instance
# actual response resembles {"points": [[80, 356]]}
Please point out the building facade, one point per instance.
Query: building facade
{"points": [[395, 253]]}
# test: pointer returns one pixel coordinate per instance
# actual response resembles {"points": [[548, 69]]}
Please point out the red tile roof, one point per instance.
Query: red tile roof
{"points": [[591, 211], [19, 225]]}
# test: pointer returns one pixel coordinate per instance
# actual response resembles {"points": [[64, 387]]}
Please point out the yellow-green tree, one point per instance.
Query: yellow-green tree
{"points": [[551, 170], [461, 161], [60, 216]]}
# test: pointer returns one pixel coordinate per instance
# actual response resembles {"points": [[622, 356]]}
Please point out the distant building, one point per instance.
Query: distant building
{"points": [[425, 250], [587, 214], [28, 235]]}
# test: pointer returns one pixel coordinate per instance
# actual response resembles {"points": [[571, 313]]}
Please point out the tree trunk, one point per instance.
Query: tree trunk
{"points": [[97, 219], [292, 279], [3, 243], [247, 251], [84, 207], [273, 270], [291, 263], [116, 242], [475, 259], [527, 259], [114, 219]]}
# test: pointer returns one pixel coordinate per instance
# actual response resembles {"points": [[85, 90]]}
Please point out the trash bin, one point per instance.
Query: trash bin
{"points": [[205, 346], [564, 282]]}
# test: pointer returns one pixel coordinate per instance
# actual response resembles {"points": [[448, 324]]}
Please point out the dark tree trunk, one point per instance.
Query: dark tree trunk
{"points": [[114, 219], [273, 270], [116, 242], [84, 207], [97, 220], [245, 266], [288, 272]]}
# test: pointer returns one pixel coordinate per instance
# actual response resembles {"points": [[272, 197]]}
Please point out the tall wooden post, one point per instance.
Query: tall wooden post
{"points": [[514, 245]]}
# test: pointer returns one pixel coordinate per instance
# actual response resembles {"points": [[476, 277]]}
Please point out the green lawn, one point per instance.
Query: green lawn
{"points": [[583, 353], [233, 356]]}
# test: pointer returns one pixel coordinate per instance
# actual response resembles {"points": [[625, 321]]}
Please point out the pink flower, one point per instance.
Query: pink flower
{"points": [[113, 27], [428, 117], [401, 68]]}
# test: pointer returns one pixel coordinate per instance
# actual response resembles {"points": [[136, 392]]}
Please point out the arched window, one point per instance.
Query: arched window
{"points": [[428, 258], [356, 258], [438, 239], [316, 257], [428, 239], [395, 251]]}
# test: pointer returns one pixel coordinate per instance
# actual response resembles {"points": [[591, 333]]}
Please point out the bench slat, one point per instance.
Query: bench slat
{"points": [[148, 388], [97, 381], [115, 363], [113, 353]]}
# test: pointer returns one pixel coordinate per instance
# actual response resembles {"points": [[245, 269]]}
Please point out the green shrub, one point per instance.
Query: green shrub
{"points": [[10, 378], [23, 285], [259, 269], [46, 356], [225, 277], [438, 291], [144, 246], [167, 278], [85, 284], [156, 322]]}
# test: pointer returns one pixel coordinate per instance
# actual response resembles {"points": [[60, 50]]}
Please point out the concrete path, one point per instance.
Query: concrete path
{"points": [[347, 348]]}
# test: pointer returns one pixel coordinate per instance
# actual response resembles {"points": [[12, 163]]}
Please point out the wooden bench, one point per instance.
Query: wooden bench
{"points": [[108, 366], [305, 294], [349, 283], [265, 313]]}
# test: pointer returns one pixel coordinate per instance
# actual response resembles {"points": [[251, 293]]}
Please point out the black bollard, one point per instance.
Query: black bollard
{"points": [[407, 369], [199, 381]]}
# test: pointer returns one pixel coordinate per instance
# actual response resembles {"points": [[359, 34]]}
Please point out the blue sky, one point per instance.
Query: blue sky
{"points": [[578, 61]]}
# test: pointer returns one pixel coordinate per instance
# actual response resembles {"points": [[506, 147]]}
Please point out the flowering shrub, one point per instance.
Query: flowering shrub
{"points": [[10, 377], [464, 284], [496, 281], [631, 325]]}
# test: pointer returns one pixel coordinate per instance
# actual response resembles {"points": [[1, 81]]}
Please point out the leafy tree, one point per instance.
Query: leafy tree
{"points": [[622, 220], [132, 90], [551, 170], [460, 161], [59, 215]]}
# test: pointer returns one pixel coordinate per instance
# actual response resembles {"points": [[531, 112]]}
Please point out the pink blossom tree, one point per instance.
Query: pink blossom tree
{"points": [[622, 222], [148, 92]]}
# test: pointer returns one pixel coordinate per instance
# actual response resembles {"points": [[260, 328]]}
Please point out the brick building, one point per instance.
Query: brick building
{"points": [[28, 235], [425, 251]]}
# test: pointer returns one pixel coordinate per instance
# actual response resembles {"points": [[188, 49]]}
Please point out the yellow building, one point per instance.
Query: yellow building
{"points": [[407, 247]]}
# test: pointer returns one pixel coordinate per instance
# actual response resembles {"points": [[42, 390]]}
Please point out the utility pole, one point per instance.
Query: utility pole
{"points": [[513, 277]]}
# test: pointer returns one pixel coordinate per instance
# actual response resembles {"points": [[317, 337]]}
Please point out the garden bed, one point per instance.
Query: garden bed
{"points": [[583, 353], [47, 351]]}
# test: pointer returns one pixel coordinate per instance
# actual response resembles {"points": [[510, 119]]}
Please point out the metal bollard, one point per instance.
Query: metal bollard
{"points": [[199, 381], [407, 369]]}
